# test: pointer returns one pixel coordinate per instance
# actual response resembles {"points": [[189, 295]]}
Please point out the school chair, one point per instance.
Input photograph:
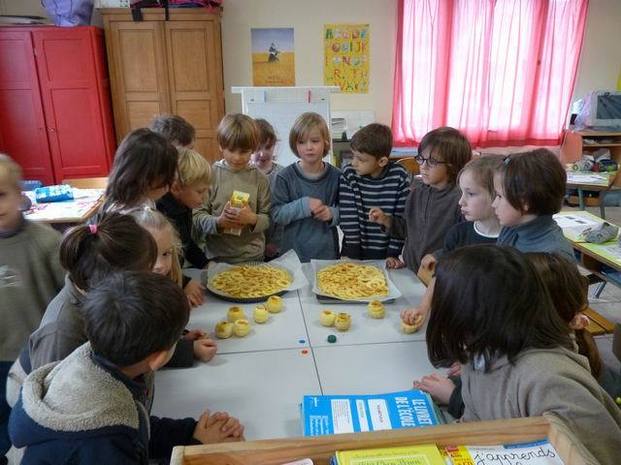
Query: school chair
{"points": [[410, 165], [87, 183], [571, 148]]}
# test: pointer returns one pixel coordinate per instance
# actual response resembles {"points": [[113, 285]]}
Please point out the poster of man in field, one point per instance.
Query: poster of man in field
{"points": [[273, 57]]}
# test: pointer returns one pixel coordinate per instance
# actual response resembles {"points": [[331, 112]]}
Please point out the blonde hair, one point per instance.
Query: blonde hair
{"points": [[192, 167], [238, 132], [151, 219], [483, 170], [10, 171], [304, 124]]}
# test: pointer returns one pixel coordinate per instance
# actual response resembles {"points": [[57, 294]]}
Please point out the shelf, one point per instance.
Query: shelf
{"points": [[614, 144]]}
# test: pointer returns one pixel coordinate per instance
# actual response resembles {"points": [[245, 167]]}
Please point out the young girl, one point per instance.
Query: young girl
{"points": [[263, 159], [305, 194], [517, 356], [476, 183], [88, 253], [432, 207], [569, 292], [145, 165], [530, 187], [194, 344]]}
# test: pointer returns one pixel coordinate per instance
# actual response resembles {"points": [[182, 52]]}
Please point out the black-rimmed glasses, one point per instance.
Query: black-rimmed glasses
{"points": [[430, 160]]}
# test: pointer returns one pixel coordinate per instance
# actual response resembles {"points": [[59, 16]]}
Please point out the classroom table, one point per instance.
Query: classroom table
{"points": [[262, 378], [84, 204], [589, 181]]}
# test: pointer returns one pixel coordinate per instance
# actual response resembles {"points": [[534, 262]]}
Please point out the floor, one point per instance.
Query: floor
{"points": [[609, 305]]}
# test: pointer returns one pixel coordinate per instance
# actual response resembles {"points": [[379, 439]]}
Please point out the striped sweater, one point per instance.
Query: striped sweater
{"points": [[363, 239]]}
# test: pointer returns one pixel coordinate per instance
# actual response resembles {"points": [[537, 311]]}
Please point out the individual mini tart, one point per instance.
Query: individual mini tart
{"points": [[261, 315], [236, 313], [224, 330], [241, 328], [274, 304], [376, 309], [409, 329], [327, 317], [342, 321]]}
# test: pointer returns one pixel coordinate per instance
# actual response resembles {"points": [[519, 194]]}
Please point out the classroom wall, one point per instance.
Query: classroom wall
{"points": [[307, 18], [600, 60], [599, 66]]}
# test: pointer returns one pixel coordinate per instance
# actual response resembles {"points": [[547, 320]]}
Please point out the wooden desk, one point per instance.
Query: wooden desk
{"points": [[588, 181], [262, 378], [82, 207]]}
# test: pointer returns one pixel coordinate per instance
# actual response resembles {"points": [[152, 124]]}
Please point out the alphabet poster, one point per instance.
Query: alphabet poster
{"points": [[273, 57], [346, 57]]}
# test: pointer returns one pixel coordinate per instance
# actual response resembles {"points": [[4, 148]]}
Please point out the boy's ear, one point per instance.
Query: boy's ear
{"points": [[382, 161], [175, 187], [157, 360]]}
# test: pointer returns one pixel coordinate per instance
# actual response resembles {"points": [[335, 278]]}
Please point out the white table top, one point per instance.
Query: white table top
{"points": [[262, 377]]}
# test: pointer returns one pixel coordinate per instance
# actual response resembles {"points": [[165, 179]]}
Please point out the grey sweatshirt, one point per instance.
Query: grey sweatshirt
{"points": [[250, 245], [429, 214], [310, 238], [30, 276], [553, 381]]}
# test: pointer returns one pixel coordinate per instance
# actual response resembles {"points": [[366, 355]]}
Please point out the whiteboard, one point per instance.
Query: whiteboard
{"points": [[280, 106]]}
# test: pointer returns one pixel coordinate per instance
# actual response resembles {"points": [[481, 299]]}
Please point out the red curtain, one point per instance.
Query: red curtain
{"points": [[501, 71]]}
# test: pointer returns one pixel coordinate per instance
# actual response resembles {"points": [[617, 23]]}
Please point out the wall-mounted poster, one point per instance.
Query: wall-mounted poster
{"points": [[346, 57], [273, 57]]}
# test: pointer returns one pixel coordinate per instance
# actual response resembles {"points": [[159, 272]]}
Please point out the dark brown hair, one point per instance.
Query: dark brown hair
{"points": [[374, 139], [144, 161], [304, 124], [238, 132], [131, 315], [450, 146], [489, 302], [175, 129], [534, 182], [482, 170], [91, 252], [267, 135], [569, 292]]}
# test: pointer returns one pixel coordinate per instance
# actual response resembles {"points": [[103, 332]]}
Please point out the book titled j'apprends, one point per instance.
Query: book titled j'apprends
{"points": [[355, 413]]}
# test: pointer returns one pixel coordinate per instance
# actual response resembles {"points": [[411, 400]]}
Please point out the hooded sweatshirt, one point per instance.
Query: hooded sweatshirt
{"points": [[84, 410], [553, 381]]}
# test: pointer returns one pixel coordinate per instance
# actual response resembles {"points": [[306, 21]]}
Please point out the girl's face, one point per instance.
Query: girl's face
{"points": [[475, 201], [311, 147], [237, 159], [264, 157], [433, 170], [506, 213], [165, 250]]}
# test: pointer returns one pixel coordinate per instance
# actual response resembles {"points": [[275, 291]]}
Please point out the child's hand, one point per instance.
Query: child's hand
{"points": [[195, 293], [428, 262], [219, 427], [394, 263], [439, 387], [227, 219], [314, 204], [413, 316], [271, 250], [323, 213], [204, 349], [454, 370], [246, 216], [194, 334], [377, 215]]}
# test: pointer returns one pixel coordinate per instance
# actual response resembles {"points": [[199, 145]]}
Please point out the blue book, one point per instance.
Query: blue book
{"points": [[356, 413]]}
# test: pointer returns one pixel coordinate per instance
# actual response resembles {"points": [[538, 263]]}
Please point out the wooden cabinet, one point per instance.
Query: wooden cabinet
{"points": [[159, 66], [55, 117]]}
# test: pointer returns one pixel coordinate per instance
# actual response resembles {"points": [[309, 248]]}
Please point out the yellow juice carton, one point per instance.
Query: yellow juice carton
{"points": [[238, 200]]}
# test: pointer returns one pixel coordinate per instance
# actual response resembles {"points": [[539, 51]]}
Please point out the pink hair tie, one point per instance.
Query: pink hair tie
{"points": [[92, 228]]}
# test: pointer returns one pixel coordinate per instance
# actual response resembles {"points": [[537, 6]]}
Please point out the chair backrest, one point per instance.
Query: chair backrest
{"points": [[410, 164], [87, 183], [571, 148]]}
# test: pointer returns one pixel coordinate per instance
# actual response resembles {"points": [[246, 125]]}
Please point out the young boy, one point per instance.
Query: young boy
{"points": [[186, 193], [432, 207], [234, 234], [30, 276], [90, 407], [263, 159], [175, 129], [371, 181]]}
